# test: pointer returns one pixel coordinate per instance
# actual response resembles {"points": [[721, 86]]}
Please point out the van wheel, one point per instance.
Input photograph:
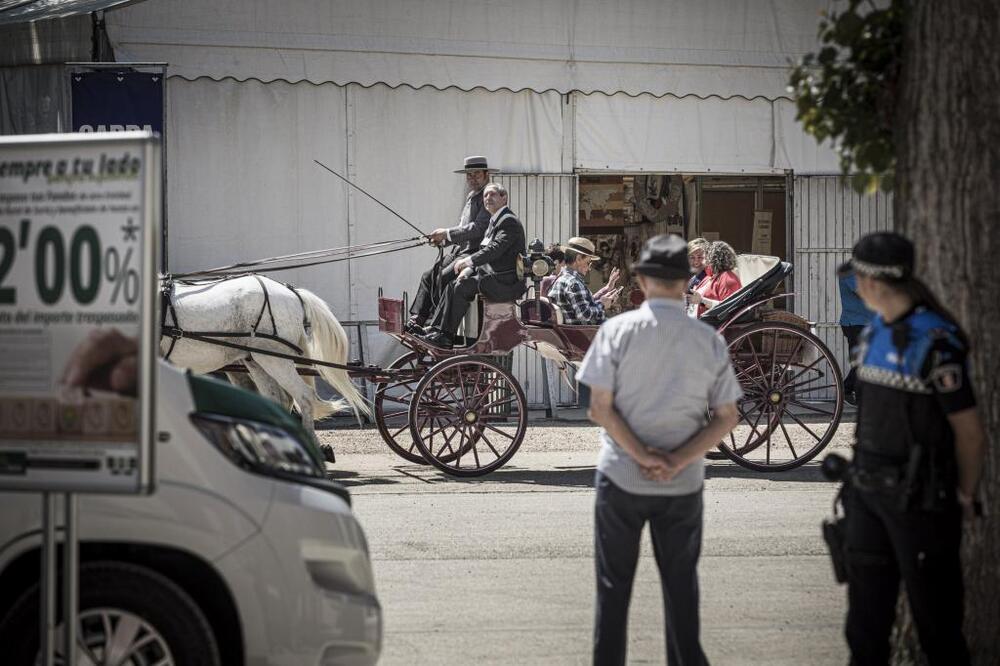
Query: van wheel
{"points": [[128, 615]]}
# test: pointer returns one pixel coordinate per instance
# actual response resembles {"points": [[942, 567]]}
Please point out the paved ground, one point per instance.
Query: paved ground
{"points": [[499, 570]]}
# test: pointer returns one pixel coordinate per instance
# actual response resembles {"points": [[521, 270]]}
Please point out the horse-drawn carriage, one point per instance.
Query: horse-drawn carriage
{"points": [[461, 411]]}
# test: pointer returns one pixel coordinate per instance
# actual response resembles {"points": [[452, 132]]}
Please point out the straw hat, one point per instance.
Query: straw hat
{"points": [[581, 245]]}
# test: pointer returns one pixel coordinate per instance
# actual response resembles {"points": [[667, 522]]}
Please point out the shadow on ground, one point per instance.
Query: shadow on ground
{"points": [[350, 479], [560, 477], [723, 469], [564, 477]]}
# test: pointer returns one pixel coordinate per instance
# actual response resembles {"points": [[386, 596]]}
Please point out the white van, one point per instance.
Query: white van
{"points": [[244, 554]]}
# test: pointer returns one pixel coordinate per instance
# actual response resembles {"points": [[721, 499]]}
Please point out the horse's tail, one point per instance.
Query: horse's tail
{"points": [[328, 342]]}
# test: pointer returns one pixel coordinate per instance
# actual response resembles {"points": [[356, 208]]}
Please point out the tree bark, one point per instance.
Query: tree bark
{"points": [[948, 201]]}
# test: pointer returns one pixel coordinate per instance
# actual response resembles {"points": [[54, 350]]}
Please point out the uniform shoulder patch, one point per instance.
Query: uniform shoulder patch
{"points": [[947, 378]]}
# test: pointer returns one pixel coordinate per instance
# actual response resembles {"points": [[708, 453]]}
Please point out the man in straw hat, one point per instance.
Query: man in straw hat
{"points": [[570, 294], [654, 373], [465, 237]]}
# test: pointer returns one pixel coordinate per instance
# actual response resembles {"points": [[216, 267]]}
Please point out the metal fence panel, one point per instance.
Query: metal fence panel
{"points": [[547, 205], [828, 218]]}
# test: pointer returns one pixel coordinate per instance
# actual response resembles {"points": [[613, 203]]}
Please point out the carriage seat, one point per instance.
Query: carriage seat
{"points": [[750, 267], [755, 286], [546, 314]]}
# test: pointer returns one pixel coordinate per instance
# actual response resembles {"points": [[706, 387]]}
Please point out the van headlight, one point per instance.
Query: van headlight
{"points": [[259, 447]]}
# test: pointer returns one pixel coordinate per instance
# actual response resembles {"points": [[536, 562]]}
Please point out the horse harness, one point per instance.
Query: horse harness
{"points": [[175, 332]]}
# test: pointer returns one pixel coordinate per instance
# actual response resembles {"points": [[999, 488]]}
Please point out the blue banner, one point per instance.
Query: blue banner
{"points": [[116, 101]]}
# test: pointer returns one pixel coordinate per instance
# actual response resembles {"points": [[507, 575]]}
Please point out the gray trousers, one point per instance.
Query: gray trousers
{"points": [[675, 527]]}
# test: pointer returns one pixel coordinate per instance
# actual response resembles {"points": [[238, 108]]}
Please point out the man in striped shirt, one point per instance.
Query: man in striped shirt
{"points": [[570, 294], [654, 374]]}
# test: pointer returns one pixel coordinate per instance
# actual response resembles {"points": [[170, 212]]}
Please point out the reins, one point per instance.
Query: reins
{"points": [[313, 258], [213, 276], [299, 360]]}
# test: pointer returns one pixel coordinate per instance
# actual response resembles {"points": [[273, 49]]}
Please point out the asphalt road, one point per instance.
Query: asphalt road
{"points": [[499, 570]]}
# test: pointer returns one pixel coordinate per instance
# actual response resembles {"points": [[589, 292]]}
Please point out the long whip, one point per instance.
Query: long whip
{"points": [[372, 197]]}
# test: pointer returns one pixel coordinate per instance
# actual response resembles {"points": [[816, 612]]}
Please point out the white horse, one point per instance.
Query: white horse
{"points": [[240, 305]]}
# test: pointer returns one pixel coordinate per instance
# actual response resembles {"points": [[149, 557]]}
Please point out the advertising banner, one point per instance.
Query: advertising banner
{"points": [[79, 220], [117, 101]]}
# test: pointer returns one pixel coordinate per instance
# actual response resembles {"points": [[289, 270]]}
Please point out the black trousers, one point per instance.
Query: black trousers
{"points": [[852, 333], [885, 544], [455, 299], [675, 527], [431, 288]]}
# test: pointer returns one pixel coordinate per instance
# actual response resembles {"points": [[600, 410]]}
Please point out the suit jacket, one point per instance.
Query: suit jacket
{"points": [[498, 256], [468, 236]]}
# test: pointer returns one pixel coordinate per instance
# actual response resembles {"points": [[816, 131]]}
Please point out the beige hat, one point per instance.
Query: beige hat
{"points": [[581, 245], [476, 163]]}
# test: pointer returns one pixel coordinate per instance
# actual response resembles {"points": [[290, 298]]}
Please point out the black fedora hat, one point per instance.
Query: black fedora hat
{"points": [[884, 255], [476, 163], [665, 257]]}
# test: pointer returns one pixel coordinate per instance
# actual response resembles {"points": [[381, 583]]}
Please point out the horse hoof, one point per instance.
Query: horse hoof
{"points": [[328, 454]]}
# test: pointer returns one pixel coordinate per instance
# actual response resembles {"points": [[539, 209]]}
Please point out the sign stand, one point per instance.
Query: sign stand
{"points": [[48, 586], [50, 579]]}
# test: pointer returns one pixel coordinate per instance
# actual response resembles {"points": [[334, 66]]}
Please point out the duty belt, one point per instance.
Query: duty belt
{"points": [[888, 479]]}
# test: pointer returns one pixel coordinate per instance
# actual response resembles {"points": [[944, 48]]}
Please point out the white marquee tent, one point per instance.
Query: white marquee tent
{"points": [[394, 93]]}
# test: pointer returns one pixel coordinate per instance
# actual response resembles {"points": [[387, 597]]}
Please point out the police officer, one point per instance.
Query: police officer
{"points": [[916, 462]]}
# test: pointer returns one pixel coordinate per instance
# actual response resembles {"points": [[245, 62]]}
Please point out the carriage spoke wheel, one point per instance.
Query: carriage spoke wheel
{"points": [[392, 406], [468, 416], [793, 397]]}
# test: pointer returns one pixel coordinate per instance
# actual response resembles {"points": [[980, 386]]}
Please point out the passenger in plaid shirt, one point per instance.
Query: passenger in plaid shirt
{"points": [[570, 294]]}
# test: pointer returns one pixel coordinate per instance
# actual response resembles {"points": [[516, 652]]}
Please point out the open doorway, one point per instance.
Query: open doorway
{"points": [[620, 212]]}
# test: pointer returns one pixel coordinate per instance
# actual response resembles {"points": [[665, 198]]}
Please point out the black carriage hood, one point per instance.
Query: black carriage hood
{"points": [[757, 289]]}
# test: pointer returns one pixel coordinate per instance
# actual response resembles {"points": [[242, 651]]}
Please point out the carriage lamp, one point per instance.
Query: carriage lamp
{"points": [[539, 264], [258, 447]]}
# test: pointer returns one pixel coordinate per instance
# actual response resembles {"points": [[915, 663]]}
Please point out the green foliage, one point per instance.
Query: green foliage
{"points": [[847, 91]]}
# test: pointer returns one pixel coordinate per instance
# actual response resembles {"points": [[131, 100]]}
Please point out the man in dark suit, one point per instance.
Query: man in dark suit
{"points": [[465, 238], [492, 271]]}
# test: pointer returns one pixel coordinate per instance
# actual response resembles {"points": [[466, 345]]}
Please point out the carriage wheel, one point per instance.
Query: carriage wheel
{"points": [[392, 407], [468, 416], [793, 397], [750, 410]]}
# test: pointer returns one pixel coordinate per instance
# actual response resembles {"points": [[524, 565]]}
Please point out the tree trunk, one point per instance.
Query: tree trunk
{"points": [[948, 201]]}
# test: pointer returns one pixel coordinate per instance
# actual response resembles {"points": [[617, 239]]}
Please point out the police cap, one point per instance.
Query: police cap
{"points": [[883, 255]]}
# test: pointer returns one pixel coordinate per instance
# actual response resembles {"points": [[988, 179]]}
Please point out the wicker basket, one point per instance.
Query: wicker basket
{"points": [[786, 317], [785, 343]]}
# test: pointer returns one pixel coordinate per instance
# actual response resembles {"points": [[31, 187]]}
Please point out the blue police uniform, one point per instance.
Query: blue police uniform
{"points": [[854, 316], [903, 520]]}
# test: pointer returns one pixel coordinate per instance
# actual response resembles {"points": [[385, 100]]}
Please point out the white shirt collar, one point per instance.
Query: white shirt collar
{"points": [[498, 214], [663, 302]]}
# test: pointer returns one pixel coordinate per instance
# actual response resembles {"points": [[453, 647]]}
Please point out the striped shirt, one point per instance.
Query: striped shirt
{"points": [[571, 295], [665, 370]]}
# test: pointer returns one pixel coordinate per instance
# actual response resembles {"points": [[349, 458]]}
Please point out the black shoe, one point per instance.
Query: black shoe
{"points": [[851, 398], [440, 339]]}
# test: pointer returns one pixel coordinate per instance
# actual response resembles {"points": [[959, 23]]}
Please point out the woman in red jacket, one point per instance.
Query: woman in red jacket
{"points": [[722, 280]]}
